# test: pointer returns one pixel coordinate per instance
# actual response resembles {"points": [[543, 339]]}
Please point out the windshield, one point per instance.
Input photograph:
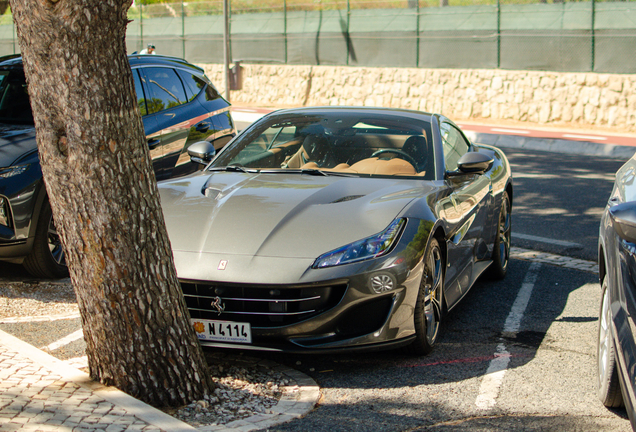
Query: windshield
{"points": [[14, 98], [352, 142]]}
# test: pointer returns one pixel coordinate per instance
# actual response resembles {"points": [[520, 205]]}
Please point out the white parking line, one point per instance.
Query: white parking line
{"points": [[65, 340], [491, 383], [545, 240], [588, 137], [13, 320]]}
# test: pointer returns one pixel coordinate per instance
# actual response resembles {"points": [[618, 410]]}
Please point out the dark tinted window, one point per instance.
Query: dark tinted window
{"points": [[211, 93], [141, 99], [166, 89], [14, 98], [192, 83]]}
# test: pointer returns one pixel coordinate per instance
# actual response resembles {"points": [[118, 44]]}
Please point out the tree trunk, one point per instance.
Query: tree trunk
{"points": [[105, 202]]}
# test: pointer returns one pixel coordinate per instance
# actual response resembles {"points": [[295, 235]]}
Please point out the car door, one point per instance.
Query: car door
{"points": [[209, 115], [467, 204], [165, 107], [151, 128]]}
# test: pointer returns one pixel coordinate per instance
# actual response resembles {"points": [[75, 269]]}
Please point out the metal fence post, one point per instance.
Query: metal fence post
{"points": [[141, 25], [593, 34], [183, 29], [498, 34], [285, 26], [348, 34], [417, 34], [226, 47]]}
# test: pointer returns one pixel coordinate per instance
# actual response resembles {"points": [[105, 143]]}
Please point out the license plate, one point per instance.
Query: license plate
{"points": [[222, 331]]}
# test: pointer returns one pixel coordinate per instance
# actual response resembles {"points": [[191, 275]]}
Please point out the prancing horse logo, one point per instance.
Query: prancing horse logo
{"points": [[217, 304]]}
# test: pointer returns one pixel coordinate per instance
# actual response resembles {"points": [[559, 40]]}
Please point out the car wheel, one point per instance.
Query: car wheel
{"points": [[428, 309], [47, 258], [609, 389], [501, 249]]}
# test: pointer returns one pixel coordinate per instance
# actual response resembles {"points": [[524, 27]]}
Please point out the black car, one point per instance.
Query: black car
{"points": [[617, 269], [179, 106]]}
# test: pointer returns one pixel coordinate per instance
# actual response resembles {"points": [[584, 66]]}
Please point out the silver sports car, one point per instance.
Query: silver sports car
{"points": [[320, 229]]}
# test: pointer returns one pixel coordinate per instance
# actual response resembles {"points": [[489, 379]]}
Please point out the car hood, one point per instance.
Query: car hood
{"points": [[15, 142], [280, 215]]}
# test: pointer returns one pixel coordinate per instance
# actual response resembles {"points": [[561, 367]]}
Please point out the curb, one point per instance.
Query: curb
{"points": [[583, 148], [297, 400]]}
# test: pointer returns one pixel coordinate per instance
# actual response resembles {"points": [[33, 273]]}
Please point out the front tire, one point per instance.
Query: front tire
{"points": [[609, 389], [428, 309], [501, 249], [47, 258]]}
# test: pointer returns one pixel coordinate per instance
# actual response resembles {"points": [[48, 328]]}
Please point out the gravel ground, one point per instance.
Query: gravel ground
{"points": [[244, 386], [36, 299]]}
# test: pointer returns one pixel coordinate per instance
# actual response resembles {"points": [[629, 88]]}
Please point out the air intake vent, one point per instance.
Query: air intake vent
{"points": [[347, 198]]}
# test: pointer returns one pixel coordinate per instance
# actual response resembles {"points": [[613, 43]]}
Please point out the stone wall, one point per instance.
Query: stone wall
{"points": [[582, 99]]}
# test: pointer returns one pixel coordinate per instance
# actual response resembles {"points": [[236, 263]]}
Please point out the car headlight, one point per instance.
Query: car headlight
{"points": [[5, 219], [13, 171], [371, 247]]}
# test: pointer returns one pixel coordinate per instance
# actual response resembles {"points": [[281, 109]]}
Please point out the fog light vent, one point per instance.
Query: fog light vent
{"points": [[382, 283]]}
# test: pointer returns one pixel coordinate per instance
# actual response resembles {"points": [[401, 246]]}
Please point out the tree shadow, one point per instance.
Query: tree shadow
{"points": [[559, 196], [470, 335]]}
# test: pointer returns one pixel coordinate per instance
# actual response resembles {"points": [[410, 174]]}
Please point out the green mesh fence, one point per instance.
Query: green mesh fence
{"points": [[576, 36]]}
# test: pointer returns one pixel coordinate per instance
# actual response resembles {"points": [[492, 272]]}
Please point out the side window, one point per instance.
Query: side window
{"points": [[141, 99], [455, 146], [14, 98], [166, 89], [192, 83]]}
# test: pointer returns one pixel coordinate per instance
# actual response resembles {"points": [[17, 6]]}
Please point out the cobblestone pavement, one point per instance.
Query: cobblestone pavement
{"points": [[41, 393]]}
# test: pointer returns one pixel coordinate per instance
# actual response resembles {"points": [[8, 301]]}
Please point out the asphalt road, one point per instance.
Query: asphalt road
{"points": [[558, 201], [548, 382]]}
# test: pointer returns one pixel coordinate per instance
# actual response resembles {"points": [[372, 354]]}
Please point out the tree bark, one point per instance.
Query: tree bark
{"points": [[104, 199]]}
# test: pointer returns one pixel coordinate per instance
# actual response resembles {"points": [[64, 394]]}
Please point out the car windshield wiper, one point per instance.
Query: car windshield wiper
{"points": [[234, 168], [310, 171]]}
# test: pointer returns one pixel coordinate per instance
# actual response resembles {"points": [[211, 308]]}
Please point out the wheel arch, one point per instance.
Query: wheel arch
{"points": [[602, 271], [509, 191], [440, 235], [40, 201]]}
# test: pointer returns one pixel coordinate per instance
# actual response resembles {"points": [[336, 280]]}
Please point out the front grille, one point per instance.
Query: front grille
{"points": [[260, 305]]}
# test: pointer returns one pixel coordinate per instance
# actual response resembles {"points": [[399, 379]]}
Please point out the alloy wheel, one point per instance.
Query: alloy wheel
{"points": [[55, 244], [433, 294], [604, 338], [504, 233]]}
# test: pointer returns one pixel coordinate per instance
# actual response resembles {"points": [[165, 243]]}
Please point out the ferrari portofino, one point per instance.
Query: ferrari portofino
{"points": [[319, 229]]}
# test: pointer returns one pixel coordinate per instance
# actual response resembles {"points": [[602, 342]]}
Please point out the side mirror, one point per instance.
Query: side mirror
{"points": [[624, 220], [201, 152], [474, 163]]}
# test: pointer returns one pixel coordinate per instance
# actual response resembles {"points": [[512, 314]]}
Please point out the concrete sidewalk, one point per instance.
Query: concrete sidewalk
{"points": [[38, 392]]}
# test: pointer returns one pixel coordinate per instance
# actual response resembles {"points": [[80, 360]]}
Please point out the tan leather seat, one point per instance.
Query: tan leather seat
{"points": [[315, 148], [374, 165]]}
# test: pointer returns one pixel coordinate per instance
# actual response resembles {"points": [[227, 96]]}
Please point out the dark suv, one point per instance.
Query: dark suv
{"points": [[179, 106]]}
